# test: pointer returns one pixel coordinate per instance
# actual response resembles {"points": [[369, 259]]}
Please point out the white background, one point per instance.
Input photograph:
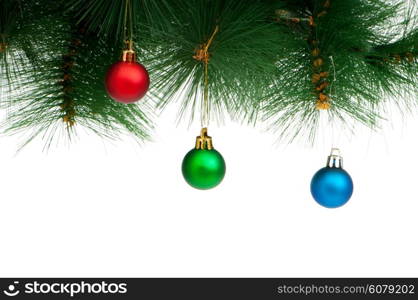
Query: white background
{"points": [[116, 209]]}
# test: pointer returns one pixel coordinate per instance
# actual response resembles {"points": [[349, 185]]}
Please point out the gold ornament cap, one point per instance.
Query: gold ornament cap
{"points": [[204, 142], [129, 55]]}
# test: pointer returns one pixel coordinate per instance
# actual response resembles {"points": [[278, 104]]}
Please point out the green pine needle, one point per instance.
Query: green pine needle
{"points": [[272, 60], [64, 90]]}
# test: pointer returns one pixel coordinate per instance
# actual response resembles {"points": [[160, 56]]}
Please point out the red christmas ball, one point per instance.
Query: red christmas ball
{"points": [[126, 81]]}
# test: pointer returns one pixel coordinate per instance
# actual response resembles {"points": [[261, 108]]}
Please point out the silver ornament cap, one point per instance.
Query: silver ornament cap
{"points": [[335, 160]]}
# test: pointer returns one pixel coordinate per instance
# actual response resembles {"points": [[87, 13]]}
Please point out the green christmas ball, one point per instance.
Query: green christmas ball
{"points": [[203, 169]]}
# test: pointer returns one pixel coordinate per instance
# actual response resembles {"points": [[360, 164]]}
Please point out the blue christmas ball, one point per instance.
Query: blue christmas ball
{"points": [[331, 187]]}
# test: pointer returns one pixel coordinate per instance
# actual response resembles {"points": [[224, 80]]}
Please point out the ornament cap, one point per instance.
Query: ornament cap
{"points": [[335, 160], [204, 142], [129, 55]]}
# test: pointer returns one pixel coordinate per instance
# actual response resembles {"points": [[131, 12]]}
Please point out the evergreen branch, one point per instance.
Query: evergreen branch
{"points": [[243, 53], [66, 89], [330, 60], [277, 61], [108, 18]]}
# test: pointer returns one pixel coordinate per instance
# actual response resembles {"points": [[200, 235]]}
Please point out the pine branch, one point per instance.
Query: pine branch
{"points": [[16, 52], [107, 18], [350, 87], [274, 60], [65, 90], [242, 56]]}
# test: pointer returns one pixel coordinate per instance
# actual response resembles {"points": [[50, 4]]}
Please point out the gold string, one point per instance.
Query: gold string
{"points": [[127, 24], [202, 54]]}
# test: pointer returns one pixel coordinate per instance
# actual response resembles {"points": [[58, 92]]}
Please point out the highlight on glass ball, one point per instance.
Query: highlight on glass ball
{"points": [[127, 81], [203, 167], [332, 186]]}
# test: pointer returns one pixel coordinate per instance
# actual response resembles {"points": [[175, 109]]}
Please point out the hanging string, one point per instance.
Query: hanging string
{"points": [[202, 54], [335, 74], [128, 25], [331, 93]]}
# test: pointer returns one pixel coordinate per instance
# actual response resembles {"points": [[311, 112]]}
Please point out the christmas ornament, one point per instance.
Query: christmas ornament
{"points": [[203, 167], [332, 186], [127, 81]]}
